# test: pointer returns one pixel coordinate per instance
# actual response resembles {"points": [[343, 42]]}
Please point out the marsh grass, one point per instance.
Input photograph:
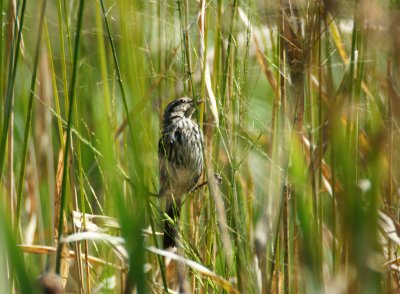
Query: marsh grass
{"points": [[301, 122]]}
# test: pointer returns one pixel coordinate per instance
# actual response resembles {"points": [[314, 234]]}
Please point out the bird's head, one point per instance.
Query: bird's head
{"points": [[181, 107]]}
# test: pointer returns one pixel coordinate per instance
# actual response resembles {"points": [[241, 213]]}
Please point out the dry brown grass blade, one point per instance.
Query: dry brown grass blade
{"points": [[176, 275], [335, 33], [320, 87], [221, 217], [265, 67], [390, 226], [102, 223], [41, 249], [115, 242], [204, 63], [326, 171], [197, 267], [277, 282], [64, 269], [392, 92], [12, 15], [293, 46], [95, 223]]}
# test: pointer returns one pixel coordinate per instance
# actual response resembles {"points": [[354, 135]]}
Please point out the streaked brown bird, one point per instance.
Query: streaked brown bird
{"points": [[180, 160]]}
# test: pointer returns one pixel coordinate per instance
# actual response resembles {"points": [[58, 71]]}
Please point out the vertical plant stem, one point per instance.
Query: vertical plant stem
{"points": [[13, 62], [286, 220], [63, 57], [227, 62], [68, 133], [217, 48], [117, 68], [319, 122], [329, 89], [29, 116], [159, 258], [66, 20], [184, 19], [54, 84], [1, 62]]}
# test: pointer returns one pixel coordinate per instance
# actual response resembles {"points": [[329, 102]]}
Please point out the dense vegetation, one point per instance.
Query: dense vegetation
{"points": [[301, 117]]}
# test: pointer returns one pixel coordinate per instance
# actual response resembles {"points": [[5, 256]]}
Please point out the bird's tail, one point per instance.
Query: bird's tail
{"points": [[173, 210]]}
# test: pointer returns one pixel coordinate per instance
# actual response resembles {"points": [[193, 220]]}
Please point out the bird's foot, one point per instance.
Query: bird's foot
{"points": [[217, 178]]}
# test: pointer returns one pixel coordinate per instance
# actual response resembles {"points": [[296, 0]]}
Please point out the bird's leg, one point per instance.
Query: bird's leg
{"points": [[218, 180], [217, 177], [173, 211]]}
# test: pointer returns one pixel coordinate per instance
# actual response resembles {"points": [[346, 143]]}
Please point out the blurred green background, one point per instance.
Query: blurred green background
{"points": [[301, 122]]}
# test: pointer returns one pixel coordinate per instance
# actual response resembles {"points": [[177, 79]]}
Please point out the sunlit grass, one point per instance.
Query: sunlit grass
{"points": [[301, 122]]}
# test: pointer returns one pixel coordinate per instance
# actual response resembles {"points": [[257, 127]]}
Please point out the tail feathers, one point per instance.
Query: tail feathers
{"points": [[170, 229]]}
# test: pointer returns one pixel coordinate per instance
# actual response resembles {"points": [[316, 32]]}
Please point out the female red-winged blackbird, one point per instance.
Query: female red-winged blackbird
{"points": [[180, 159]]}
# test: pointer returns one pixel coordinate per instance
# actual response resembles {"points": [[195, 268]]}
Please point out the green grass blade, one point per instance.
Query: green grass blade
{"points": [[68, 132]]}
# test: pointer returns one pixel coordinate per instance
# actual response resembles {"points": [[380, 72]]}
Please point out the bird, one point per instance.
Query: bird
{"points": [[180, 158]]}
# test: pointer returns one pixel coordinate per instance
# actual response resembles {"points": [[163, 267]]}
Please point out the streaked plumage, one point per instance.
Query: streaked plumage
{"points": [[180, 159]]}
